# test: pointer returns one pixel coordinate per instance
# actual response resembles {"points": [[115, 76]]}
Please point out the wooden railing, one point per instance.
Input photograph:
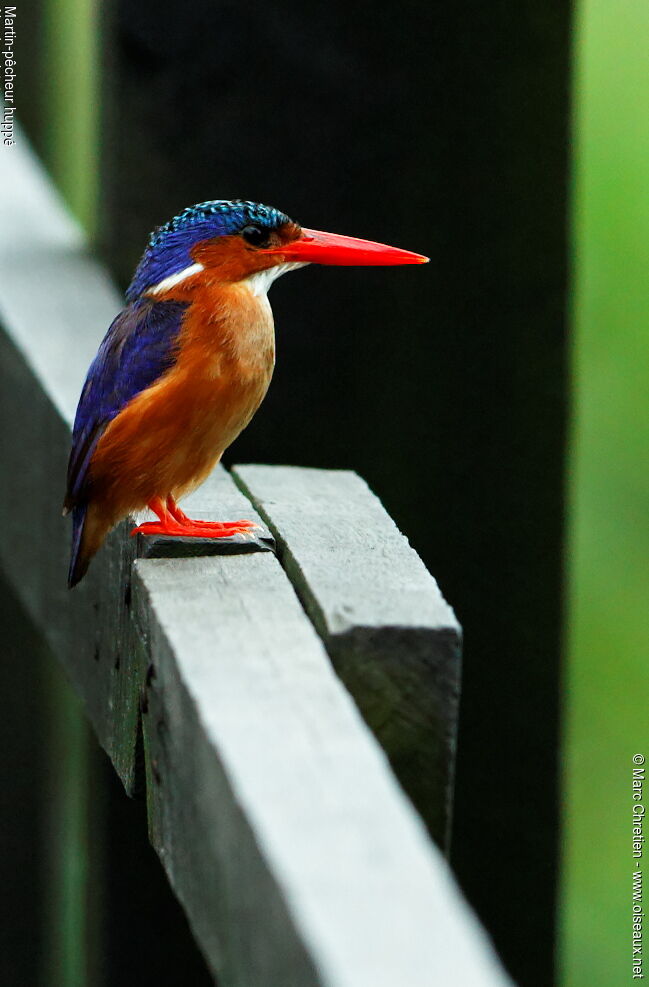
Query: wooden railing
{"points": [[253, 697]]}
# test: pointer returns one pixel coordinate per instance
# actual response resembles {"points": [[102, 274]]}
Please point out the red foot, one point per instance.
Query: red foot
{"points": [[216, 525], [182, 519], [173, 521]]}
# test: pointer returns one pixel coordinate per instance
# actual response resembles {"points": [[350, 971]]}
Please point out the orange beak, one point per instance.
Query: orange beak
{"points": [[316, 247]]}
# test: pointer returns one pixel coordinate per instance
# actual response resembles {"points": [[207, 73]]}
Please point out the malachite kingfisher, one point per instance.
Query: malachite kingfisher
{"points": [[185, 365]]}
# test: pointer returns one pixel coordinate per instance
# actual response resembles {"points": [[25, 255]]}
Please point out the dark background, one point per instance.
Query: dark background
{"points": [[442, 130]]}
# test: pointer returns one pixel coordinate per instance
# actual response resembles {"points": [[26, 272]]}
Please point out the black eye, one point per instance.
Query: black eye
{"points": [[255, 236]]}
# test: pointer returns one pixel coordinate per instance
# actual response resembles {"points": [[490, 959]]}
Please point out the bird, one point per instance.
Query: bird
{"points": [[185, 365]]}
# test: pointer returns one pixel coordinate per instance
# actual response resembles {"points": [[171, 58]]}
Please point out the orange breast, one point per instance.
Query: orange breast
{"points": [[169, 437]]}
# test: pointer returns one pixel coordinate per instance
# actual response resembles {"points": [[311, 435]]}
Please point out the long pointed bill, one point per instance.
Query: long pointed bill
{"points": [[316, 247]]}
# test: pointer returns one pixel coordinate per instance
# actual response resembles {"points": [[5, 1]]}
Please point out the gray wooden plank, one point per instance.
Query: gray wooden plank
{"points": [[392, 637], [293, 850]]}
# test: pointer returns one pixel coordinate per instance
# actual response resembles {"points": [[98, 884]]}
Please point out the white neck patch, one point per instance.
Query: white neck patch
{"points": [[260, 282], [174, 279]]}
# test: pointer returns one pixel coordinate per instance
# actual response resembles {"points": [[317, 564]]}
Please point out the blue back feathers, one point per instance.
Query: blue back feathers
{"points": [[168, 249], [138, 348]]}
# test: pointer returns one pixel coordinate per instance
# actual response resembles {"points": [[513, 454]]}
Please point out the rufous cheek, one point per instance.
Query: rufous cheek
{"points": [[231, 257]]}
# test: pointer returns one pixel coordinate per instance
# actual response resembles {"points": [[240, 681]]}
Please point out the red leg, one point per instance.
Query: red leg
{"points": [[166, 525], [176, 512], [173, 521]]}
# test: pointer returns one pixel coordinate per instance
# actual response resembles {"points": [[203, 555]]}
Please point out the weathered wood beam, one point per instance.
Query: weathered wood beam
{"points": [[263, 775], [392, 637]]}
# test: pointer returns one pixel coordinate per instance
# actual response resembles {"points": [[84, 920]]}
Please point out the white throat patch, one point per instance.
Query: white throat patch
{"points": [[260, 282]]}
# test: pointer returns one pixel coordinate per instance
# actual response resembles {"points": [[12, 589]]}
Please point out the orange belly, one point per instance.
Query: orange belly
{"points": [[169, 437]]}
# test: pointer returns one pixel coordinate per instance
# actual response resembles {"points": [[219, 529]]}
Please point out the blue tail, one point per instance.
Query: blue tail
{"points": [[78, 561]]}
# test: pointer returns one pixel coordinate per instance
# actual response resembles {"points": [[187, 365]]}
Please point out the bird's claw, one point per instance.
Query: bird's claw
{"points": [[198, 529]]}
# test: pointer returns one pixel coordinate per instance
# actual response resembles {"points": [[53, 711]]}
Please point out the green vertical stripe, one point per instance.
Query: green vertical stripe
{"points": [[71, 88], [607, 686], [68, 917]]}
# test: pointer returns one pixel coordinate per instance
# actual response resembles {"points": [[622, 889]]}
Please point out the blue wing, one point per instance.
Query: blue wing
{"points": [[137, 349]]}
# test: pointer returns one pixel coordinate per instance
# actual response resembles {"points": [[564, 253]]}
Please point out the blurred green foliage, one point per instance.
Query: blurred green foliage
{"points": [[70, 35], [606, 688]]}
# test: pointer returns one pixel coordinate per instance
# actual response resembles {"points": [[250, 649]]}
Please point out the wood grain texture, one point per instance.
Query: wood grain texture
{"points": [[272, 807], [392, 637]]}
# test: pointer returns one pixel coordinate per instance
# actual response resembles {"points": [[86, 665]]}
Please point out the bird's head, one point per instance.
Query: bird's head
{"points": [[234, 240]]}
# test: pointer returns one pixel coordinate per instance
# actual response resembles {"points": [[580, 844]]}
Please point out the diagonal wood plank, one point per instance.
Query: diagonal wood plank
{"points": [[272, 807]]}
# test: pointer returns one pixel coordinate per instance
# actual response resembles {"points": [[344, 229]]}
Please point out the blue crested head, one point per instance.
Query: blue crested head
{"points": [[168, 250]]}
